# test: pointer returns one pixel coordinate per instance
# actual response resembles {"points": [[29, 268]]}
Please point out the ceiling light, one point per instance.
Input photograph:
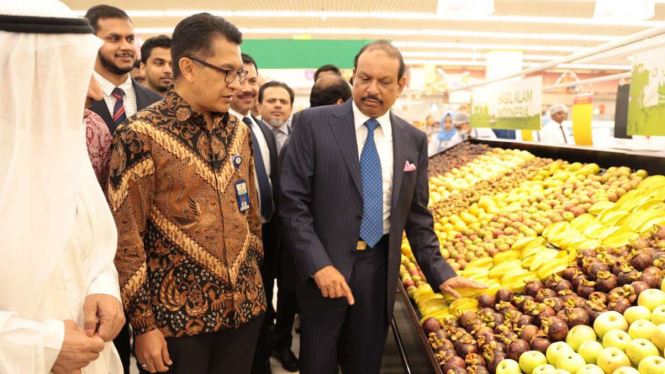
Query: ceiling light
{"points": [[526, 64], [426, 54], [465, 7], [634, 10]]}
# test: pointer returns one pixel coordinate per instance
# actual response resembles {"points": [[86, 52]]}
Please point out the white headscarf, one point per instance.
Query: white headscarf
{"points": [[44, 78]]}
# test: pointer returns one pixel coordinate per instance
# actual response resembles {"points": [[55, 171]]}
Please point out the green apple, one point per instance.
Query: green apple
{"points": [[543, 369], [658, 315], [651, 298], [626, 370], [508, 366], [611, 359], [652, 365], [570, 362], [639, 349], [589, 351], [617, 339], [642, 329], [557, 349], [578, 335], [560, 371], [634, 313], [590, 369], [609, 321], [658, 338], [530, 360]]}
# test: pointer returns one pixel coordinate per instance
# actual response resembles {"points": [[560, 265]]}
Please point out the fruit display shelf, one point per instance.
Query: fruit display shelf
{"points": [[507, 217]]}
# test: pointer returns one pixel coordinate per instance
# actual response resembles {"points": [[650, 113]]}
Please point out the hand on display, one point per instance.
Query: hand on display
{"points": [[151, 351], [332, 284], [458, 282], [108, 311], [78, 350]]}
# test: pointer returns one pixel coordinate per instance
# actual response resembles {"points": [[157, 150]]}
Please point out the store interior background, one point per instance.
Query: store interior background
{"points": [[442, 51]]}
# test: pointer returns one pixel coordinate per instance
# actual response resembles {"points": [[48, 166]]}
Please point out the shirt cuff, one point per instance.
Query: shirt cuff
{"points": [[53, 336], [106, 283]]}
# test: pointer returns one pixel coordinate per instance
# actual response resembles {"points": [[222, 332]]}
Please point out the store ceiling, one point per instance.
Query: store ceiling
{"points": [[543, 29]]}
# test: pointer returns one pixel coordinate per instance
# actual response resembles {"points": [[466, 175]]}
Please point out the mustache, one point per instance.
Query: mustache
{"points": [[125, 54], [372, 97], [246, 95]]}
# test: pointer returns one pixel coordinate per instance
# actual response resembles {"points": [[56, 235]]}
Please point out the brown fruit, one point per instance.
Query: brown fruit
{"points": [[431, 325], [639, 287], [577, 280], [641, 261], [599, 297], [606, 281], [474, 359], [545, 293], [586, 288], [455, 362], [517, 348], [557, 329], [494, 364], [532, 287], [598, 267], [529, 332], [456, 371], [540, 344], [544, 312], [555, 303], [569, 273], [652, 276], [467, 318], [477, 369], [466, 349], [525, 320], [620, 305], [504, 294], [486, 301]]}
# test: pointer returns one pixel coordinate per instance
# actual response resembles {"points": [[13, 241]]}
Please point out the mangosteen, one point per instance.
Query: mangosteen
{"points": [[556, 329], [524, 299], [441, 334], [454, 363], [540, 344], [486, 301], [555, 303], [577, 280], [505, 306], [569, 273], [588, 253], [553, 281], [477, 369], [468, 318], [597, 268], [504, 294], [639, 287], [447, 344], [525, 320], [606, 281], [640, 243], [593, 314], [499, 318], [563, 285], [517, 348], [619, 304], [586, 288], [529, 332], [617, 269], [628, 275], [453, 323], [474, 359], [566, 295], [431, 325], [575, 317], [598, 297], [660, 233], [532, 287], [456, 371], [652, 276], [545, 293], [641, 261], [496, 360], [485, 339], [543, 312]]}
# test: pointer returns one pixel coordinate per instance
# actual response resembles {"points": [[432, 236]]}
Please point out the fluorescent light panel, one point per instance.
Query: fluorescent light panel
{"points": [[390, 15], [475, 46], [526, 64], [425, 54]]}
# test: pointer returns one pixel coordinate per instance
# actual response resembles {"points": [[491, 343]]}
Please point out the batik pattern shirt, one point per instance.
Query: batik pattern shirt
{"points": [[98, 139], [188, 258]]}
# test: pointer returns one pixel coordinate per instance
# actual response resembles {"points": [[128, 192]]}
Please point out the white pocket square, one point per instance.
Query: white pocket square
{"points": [[409, 167]]}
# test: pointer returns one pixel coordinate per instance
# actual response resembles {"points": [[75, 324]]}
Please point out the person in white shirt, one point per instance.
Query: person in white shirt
{"points": [[275, 104], [59, 294], [445, 138], [553, 132], [465, 131]]}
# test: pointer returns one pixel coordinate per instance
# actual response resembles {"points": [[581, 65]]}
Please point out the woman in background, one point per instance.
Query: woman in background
{"points": [[445, 138]]}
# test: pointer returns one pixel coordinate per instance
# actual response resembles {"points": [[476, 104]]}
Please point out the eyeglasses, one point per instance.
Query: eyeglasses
{"points": [[229, 74]]}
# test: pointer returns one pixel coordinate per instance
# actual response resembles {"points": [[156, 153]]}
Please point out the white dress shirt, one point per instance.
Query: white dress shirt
{"points": [[552, 133], [129, 100], [383, 138], [265, 154]]}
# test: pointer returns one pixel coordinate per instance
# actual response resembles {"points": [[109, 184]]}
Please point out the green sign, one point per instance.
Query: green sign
{"points": [[513, 105], [302, 54], [646, 108]]}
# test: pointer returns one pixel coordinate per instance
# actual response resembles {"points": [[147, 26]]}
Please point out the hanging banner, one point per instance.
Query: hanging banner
{"points": [[582, 117], [646, 108], [519, 104], [480, 108]]}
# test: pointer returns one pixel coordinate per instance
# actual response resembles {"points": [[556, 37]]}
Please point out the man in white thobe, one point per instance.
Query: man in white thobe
{"points": [[59, 293]]}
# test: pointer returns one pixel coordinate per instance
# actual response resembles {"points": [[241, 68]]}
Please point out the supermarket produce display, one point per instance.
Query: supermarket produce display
{"points": [[573, 255]]}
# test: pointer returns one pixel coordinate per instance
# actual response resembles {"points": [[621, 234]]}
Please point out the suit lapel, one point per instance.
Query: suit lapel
{"points": [[399, 158], [141, 100], [345, 133], [102, 110]]}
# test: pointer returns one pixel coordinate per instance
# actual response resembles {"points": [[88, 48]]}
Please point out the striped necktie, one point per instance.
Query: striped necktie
{"points": [[119, 114]]}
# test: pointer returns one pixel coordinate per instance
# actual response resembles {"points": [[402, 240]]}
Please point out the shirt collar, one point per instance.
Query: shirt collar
{"points": [[184, 113], [107, 86], [359, 119], [240, 116]]}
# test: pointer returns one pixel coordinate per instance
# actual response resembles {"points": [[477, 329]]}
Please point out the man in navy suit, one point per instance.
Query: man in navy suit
{"points": [[354, 179]]}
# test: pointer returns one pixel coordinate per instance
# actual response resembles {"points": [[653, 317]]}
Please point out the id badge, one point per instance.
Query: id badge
{"points": [[242, 195]]}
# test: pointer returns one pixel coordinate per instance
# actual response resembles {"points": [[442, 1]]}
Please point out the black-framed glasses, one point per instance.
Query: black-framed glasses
{"points": [[229, 74]]}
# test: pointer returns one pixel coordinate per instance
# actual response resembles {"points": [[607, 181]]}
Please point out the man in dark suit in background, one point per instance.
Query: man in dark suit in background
{"points": [[354, 179], [267, 182], [123, 96]]}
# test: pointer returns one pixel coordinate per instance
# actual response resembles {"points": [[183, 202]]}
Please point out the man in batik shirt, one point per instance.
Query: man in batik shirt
{"points": [[189, 246]]}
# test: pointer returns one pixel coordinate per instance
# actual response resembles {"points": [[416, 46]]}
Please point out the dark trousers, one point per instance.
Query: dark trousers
{"points": [[287, 308], [353, 337], [223, 352], [123, 346], [264, 346]]}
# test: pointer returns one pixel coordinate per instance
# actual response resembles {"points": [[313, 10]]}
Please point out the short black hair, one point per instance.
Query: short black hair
{"points": [[98, 12], [329, 90], [387, 47], [193, 37], [325, 68], [161, 41], [276, 84], [247, 59], [137, 64]]}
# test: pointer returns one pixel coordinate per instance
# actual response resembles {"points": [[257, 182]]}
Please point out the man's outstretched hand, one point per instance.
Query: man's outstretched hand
{"points": [[459, 282]]}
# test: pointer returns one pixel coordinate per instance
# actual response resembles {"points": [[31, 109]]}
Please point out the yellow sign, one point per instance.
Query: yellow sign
{"points": [[582, 117], [527, 135]]}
